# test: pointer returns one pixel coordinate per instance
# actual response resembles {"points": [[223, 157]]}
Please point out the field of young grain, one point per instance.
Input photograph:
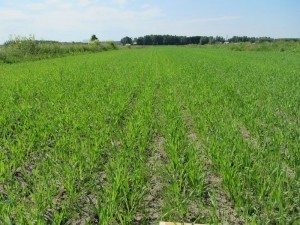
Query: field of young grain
{"points": [[142, 135]]}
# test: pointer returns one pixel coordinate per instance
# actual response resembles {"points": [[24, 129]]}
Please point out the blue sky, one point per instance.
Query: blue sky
{"points": [[77, 20]]}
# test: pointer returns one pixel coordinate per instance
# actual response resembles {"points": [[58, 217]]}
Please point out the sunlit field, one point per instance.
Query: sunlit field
{"points": [[135, 136]]}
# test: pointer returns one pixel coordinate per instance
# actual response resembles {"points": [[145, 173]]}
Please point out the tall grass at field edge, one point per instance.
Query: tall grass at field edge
{"points": [[28, 50], [276, 46]]}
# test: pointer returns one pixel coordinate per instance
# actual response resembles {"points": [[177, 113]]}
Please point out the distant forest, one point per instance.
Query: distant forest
{"points": [[201, 40]]}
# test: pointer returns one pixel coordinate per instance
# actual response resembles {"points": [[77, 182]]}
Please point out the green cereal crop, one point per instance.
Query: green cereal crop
{"points": [[159, 133]]}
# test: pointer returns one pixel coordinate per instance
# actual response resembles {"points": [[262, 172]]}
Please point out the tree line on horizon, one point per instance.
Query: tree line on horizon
{"points": [[198, 40]]}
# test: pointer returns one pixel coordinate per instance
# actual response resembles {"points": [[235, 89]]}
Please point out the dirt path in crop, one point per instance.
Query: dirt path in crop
{"points": [[254, 143], [248, 138], [216, 200], [153, 201], [23, 175]]}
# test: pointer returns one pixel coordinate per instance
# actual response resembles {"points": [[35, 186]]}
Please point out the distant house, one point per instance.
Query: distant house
{"points": [[226, 43]]}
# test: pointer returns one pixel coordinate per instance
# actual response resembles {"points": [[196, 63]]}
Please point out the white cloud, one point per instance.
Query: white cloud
{"points": [[54, 2], [48, 4], [36, 6], [120, 2], [71, 23], [58, 20], [85, 3], [77, 20], [120, 15], [212, 19], [7, 14]]}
